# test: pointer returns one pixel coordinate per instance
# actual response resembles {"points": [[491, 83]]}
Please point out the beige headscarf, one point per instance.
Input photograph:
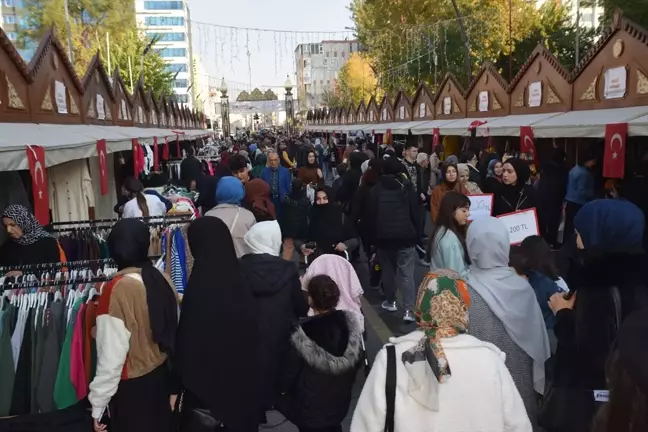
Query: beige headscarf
{"points": [[472, 187]]}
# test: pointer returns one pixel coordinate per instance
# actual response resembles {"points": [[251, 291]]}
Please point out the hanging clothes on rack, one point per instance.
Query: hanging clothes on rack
{"points": [[70, 190]]}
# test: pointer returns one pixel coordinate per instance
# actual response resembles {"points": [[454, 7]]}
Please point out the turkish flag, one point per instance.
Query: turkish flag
{"points": [[527, 144], [156, 156], [615, 150], [135, 145], [36, 160], [178, 146], [165, 149], [103, 165], [436, 137]]}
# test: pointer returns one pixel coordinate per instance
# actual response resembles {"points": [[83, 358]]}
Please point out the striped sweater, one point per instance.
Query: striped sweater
{"points": [[125, 346]]}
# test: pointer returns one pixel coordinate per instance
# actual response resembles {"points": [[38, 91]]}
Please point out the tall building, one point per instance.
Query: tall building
{"points": [[318, 66], [589, 16], [11, 20], [171, 22]]}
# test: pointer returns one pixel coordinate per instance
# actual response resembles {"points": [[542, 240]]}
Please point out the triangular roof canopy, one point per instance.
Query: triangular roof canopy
{"points": [[123, 101], [614, 72], [98, 97], [155, 111], [15, 104], [541, 85], [402, 107], [487, 95], [386, 109], [423, 103], [371, 114], [55, 90], [361, 112], [141, 108], [449, 101]]}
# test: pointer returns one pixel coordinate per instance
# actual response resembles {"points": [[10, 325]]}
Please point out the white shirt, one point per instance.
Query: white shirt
{"points": [[155, 206], [480, 396]]}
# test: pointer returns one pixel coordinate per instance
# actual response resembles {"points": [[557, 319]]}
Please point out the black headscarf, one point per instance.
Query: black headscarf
{"points": [[128, 244], [326, 226], [523, 172], [217, 336]]}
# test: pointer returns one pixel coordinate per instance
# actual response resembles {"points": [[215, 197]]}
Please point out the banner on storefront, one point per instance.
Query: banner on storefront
{"points": [[103, 166], [615, 150], [36, 159]]}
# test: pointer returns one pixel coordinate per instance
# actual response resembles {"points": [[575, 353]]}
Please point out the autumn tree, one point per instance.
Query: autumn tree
{"points": [[331, 98], [357, 80], [89, 22]]}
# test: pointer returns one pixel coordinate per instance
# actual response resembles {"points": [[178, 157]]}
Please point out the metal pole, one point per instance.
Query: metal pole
{"points": [[69, 31], [510, 40], [577, 31], [130, 73], [108, 51]]}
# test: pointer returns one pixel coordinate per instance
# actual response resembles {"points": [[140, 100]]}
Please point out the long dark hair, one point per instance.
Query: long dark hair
{"points": [[134, 187], [449, 204], [627, 410], [538, 256]]}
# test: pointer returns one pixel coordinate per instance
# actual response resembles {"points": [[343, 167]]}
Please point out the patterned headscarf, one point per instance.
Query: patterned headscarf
{"points": [[32, 230], [441, 312]]}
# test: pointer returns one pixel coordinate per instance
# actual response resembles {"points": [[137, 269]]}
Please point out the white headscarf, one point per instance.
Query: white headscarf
{"points": [[365, 166], [264, 238], [508, 296]]}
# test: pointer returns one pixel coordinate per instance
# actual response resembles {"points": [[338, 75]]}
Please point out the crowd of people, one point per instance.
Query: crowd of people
{"points": [[506, 338]]}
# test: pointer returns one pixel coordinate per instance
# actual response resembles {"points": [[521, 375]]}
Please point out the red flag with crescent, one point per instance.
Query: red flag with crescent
{"points": [[527, 144], [615, 150], [436, 137], [36, 160], [102, 155], [165, 149], [156, 155], [135, 145]]}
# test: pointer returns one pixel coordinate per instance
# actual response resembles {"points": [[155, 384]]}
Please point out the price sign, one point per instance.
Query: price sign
{"points": [[481, 205], [520, 224]]}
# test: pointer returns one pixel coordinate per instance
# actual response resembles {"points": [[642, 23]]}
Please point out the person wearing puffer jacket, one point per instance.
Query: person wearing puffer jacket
{"points": [[320, 371], [446, 379]]}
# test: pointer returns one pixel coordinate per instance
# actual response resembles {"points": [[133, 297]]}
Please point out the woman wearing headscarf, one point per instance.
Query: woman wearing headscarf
{"points": [[260, 163], [350, 180], [610, 284], [446, 379], [218, 326], [329, 229], [278, 302], [493, 176], [229, 196], [28, 242], [310, 173], [514, 193], [450, 181], [137, 318], [361, 208], [464, 179], [504, 310], [257, 200], [343, 274]]}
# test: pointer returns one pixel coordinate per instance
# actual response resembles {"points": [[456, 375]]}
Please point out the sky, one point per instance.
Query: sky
{"points": [[222, 51]]}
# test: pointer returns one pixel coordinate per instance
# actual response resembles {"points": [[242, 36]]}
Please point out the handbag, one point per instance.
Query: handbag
{"points": [[195, 419], [390, 388]]}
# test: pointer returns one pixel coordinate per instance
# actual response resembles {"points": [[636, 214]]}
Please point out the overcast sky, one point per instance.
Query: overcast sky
{"points": [[222, 51]]}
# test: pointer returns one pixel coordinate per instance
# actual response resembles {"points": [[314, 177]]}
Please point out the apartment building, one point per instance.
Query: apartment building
{"points": [[170, 21], [318, 66], [11, 20]]}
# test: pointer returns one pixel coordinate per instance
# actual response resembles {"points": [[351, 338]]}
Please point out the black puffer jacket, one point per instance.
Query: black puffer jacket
{"points": [[319, 378], [279, 303], [395, 206]]}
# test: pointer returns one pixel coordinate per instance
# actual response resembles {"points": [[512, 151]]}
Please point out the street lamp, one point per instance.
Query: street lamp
{"points": [[290, 115], [225, 109]]}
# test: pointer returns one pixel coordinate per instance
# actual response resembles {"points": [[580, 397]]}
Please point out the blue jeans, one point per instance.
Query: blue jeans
{"points": [[398, 267]]}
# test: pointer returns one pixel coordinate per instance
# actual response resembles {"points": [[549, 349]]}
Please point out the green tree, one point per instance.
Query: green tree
{"points": [[331, 98], [357, 80], [636, 10], [89, 22]]}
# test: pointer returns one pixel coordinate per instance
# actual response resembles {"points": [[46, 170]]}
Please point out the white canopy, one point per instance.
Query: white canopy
{"points": [[638, 126], [425, 128], [585, 124], [510, 125], [64, 143], [460, 127]]}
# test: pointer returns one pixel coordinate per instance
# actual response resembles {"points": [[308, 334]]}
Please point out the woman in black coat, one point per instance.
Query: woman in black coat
{"points": [[321, 369], [514, 193], [610, 283], [278, 302]]}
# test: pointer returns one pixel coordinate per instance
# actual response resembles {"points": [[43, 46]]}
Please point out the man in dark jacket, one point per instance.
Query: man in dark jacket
{"points": [[396, 232], [190, 170]]}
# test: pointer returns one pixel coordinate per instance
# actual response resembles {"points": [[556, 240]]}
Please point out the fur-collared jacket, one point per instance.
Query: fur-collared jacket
{"points": [[319, 376]]}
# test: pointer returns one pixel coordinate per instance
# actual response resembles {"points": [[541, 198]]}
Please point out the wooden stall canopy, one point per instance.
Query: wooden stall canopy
{"points": [[612, 74], [48, 91]]}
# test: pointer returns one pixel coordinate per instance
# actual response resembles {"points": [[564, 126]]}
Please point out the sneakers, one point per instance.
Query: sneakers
{"points": [[389, 306], [409, 317]]}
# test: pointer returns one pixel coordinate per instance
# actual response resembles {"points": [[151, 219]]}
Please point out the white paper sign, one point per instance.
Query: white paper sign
{"points": [[422, 110], [447, 105], [101, 110], [384, 114], [371, 116], [481, 205], [140, 114], [615, 82], [535, 94], [60, 97], [520, 225], [483, 101], [401, 112], [123, 109]]}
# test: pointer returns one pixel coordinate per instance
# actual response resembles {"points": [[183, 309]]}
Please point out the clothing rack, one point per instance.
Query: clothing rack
{"points": [[45, 284], [57, 265], [114, 220]]}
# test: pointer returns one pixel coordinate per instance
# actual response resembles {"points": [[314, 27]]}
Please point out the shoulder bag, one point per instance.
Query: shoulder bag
{"points": [[390, 388]]}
